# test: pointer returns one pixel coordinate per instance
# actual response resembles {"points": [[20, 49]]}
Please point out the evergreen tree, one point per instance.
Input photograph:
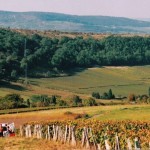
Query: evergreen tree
{"points": [[110, 94], [28, 103]]}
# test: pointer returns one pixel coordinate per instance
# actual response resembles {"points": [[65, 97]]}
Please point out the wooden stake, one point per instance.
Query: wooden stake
{"points": [[73, 142], [129, 145], [137, 144], [65, 136], [117, 146], [69, 135]]}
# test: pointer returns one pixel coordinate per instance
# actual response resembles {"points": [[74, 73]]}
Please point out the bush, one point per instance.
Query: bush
{"points": [[104, 96], [61, 103], [40, 100], [11, 101], [142, 99], [68, 113], [96, 95], [131, 98], [89, 102], [53, 99], [108, 95], [86, 116], [75, 100]]}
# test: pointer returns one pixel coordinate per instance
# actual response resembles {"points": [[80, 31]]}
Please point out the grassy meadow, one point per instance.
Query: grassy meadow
{"points": [[122, 81]]}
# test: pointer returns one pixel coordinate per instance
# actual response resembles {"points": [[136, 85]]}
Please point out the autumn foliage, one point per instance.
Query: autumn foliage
{"points": [[124, 129]]}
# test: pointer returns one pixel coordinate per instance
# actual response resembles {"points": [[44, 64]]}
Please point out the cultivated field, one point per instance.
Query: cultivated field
{"points": [[103, 113], [122, 81]]}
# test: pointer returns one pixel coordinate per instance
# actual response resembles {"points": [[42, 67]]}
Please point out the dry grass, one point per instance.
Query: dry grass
{"points": [[35, 116], [119, 112], [59, 34], [105, 113], [17, 143]]}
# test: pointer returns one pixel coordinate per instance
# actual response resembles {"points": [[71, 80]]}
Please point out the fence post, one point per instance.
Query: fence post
{"points": [[94, 141], [137, 144], [129, 145], [21, 131], [34, 131], [40, 131], [83, 137], [37, 131], [26, 132], [29, 130], [65, 137], [60, 134], [48, 133], [69, 135], [73, 142], [107, 146], [117, 146], [55, 133], [87, 140]]}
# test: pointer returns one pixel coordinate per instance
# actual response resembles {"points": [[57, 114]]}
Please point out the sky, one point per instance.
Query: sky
{"points": [[120, 8]]}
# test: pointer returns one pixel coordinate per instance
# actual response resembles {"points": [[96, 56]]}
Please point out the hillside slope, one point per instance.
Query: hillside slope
{"points": [[64, 22], [122, 81]]}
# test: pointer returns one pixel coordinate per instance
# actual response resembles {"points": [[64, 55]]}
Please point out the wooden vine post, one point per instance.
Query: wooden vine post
{"points": [[66, 134]]}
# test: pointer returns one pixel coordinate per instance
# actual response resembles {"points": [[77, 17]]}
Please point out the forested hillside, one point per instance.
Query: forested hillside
{"points": [[51, 54], [73, 23]]}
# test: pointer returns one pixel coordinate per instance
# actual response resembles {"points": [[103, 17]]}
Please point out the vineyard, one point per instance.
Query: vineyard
{"points": [[92, 134]]}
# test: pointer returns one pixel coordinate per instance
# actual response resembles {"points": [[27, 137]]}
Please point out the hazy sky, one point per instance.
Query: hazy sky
{"points": [[124, 8]]}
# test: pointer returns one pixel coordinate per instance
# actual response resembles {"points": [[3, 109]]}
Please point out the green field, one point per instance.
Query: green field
{"points": [[122, 81]]}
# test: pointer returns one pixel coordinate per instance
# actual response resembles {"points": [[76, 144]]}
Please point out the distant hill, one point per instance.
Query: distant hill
{"points": [[73, 23], [145, 19]]}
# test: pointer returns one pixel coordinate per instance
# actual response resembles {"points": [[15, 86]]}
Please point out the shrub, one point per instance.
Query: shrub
{"points": [[89, 102], [131, 97], [86, 116], [108, 95], [75, 100], [11, 101], [68, 113], [104, 96], [28, 103], [53, 99], [61, 103], [40, 100], [142, 99], [96, 95]]}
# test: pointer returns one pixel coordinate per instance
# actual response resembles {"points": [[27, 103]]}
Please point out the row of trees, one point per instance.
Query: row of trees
{"points": [[145, 98], [74, 100], [66, 53], [105, 95], [12, 101]]}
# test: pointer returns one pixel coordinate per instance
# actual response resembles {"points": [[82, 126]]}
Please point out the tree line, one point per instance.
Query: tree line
{"points": [[50, 54], [11, 101]]}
